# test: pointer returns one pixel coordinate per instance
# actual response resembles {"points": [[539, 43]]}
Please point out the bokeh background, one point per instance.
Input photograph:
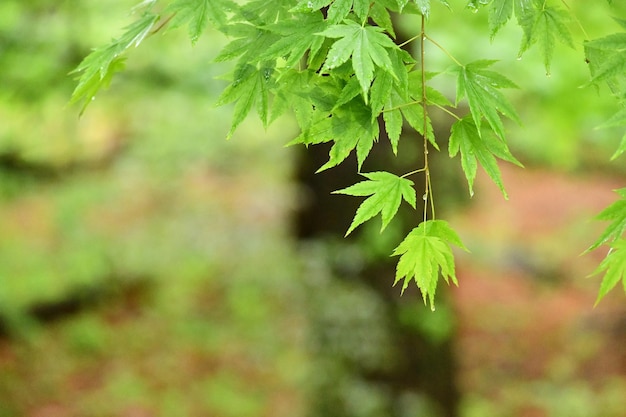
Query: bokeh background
{"points": [[150, 267]]}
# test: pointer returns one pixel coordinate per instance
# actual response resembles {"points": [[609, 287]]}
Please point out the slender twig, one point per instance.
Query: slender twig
{"points": [[580, 25], [444, 50], [399, 106], [428, 192], [439, 106], [409, 41], [413, 172], [163, 23]]}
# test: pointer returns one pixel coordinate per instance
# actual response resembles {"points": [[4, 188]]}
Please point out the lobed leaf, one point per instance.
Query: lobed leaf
{"points": [[425, 254], [544, 25], [366, 45], [476, 148], [198, 13], [249, 87], [616, 214], [607, 57], [97, 69], [386, 192], [351, 128], [380, 15], [500, 11], [296, 37], [480, 87], [614, 268]]}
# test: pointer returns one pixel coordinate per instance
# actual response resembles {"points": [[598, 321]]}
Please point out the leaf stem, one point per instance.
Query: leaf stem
{"points": [[428, 193], [399, 106], [444, 50], [162, 25], [409, 40], [408, 174], [439, 106], [580, 25]]}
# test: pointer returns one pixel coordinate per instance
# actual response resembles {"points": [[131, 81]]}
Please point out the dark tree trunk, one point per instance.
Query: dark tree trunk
{"points": [[421, 368]]}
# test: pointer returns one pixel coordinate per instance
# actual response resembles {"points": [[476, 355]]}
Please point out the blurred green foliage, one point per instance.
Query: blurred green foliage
{"points": [[145, 214]]}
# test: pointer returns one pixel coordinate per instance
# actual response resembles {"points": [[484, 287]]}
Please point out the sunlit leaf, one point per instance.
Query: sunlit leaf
{"points": [[476, 148], [544, 25], [352, 128], [616, 214], [425, 254], [97, 69], [250, 86], [481, 88], [386, 192], [296, 37], [198, 13], [614, 268], [368, 47]]}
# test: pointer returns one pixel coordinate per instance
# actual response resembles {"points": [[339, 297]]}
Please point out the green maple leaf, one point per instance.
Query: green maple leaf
{"points": [[616, 214], [349, 127], [476, 148], [294, 92], [250, 85], [249, 45], [352, 128], [296, 37], [545, 25], [386, 192], [393, 125], [607, 59], [501, 11], [424, 6], [368, 47], [481, 88], [380, 15], [338, 9], [198, 13], [97, 69], [614, 268], [424, 254], [263, 12]]}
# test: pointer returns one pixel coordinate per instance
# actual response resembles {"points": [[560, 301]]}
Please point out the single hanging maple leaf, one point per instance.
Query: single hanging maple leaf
{"points": [[426, 252], [386, 192]]}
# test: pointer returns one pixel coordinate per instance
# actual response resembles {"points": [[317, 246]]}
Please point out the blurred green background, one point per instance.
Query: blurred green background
{"points": [[148, 266]]}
